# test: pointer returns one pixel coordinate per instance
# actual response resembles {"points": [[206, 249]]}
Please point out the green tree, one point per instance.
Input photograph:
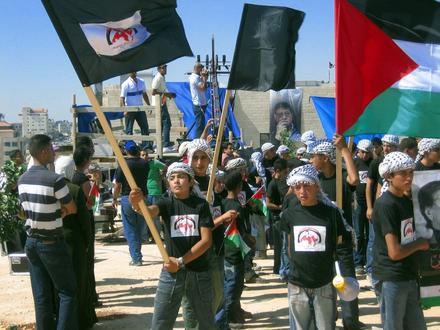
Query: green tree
{"points": [[292, 145]]}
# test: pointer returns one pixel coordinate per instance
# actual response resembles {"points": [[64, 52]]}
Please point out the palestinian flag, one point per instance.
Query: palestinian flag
{"points": [[259, 199], [387, 67], [234, 239], [104, 39], [93, 200]]}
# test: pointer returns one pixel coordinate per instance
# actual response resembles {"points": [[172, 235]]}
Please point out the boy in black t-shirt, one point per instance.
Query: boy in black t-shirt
{"points": [[188, 236], [234, 263], [316, 234], [428, 155], [276, 191], [395, 245]]}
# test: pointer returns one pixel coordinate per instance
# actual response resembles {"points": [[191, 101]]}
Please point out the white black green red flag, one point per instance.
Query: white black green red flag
{"points": [[388, 67], [104, 39]]}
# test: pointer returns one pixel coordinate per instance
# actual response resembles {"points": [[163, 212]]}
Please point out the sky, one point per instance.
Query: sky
{"points": [[36, 72]]}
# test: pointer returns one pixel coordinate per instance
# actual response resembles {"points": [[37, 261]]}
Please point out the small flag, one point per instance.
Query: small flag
{"points": [[104, 39], [264, 56], [259, 199], [331, 65], [234, 239], [93, 200], [387, 59]]}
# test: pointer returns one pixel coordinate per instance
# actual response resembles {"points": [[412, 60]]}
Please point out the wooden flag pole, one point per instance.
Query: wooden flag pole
{"points": [[123, 164], [218, 145]]}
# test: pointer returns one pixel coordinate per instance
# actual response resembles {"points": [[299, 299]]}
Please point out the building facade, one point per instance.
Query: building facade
{"points": [[35, 121]]}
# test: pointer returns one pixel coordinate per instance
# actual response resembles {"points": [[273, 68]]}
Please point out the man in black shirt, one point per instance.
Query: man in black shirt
{"points": [[134, 223], [395, 245], [316, 234], [428, 155], [188, 237], [324, 160], [360, 221]]}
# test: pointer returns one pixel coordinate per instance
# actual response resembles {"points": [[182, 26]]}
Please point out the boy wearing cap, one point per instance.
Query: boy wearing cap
{"points": [[316, 234], [395, 245], [362, 161], [188, 227], [133, 223]]}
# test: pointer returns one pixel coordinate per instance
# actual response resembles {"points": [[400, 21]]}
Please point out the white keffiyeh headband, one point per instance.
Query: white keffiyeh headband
{"points": [[306, 174], [256, 159], [198, 145], [266, 147], [282, 149], [307, 137], [394, 162], [177, 167], [235, 164], [390, 139], [365, 145], [326, 149], [426, 145]]}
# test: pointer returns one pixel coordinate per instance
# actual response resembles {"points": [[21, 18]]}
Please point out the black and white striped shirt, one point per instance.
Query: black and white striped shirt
{"points": [[41, 194]]}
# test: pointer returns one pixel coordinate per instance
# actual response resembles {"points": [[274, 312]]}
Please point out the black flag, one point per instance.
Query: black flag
{"points": [[264, 55], [104, 39]]}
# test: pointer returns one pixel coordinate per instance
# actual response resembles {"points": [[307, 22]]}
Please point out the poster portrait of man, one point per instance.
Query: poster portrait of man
{"points": [[285, 114]]}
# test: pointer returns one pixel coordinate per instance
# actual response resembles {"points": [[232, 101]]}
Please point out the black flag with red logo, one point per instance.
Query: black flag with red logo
{"points": [[104, 39]]}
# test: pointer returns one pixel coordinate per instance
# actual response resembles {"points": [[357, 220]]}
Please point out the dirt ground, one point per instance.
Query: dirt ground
{"points": [[128, 293]]}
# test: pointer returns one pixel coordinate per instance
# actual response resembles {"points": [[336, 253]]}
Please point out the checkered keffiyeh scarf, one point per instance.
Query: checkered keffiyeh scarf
{"points": [[426, 145], [394, 162], [177, 167], [256, 160], [326, 149], [282, 149], [235, 164], [365, 145], [198, 145], [391, 139], [307, 137]]}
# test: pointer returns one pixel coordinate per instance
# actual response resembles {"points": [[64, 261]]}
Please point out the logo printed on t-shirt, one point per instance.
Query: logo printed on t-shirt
{"points": [[185, 225], [363, 176], [407, 233], [242, 198], [309, 238], [216, 211]]}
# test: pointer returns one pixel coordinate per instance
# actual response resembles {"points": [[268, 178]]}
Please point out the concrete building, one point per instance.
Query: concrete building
{"points": [[8, 141], [251, 110], [35, 121]]}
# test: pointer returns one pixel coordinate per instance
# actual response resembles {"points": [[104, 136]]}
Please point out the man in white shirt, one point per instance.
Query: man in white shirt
{"points": [[197, 84], [159, 88], [133, 90]]}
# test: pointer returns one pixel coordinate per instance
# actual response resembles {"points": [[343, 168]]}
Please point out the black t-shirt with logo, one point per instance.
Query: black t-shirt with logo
{"points": [[276, 191], [139, 168], [328, 185], [315, 232], [182, 220], [362, 167], [232, 253], [218, 233], [373, 174], [243, 197], [203, 182], [393, 215]]}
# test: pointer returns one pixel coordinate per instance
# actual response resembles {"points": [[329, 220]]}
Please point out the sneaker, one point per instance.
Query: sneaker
{"points": [[168, 149], [254, 279], [246, 315], [360, 271], [135, 263]]}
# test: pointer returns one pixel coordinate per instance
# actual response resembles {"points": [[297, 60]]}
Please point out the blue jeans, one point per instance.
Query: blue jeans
{"points": [[320, 301], [166, 126], [400, 307], [369, 265], [151, 200], [50, 266], [134, 225], [234, 284], [197, 288], [285, 264], [199, 113], [361, 226], [141, 119]]}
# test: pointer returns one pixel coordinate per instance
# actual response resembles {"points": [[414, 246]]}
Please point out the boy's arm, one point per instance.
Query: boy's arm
{"points": [[352, 173], [368, 193], [396, 251], [271, 206]]}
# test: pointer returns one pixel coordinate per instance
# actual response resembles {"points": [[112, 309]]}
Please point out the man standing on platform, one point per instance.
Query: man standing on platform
{"points": [[133, 90], [197, 85], [159, 88]]}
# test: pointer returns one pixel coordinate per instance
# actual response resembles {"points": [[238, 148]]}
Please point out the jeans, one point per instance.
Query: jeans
{"points": [[285, 263], [258, 222], [369, 265], [134, 225], [361, 226], [199, 113], [166, 126], [399, 305], [312, 308], [197, 288], [50, 266], [277, 243], [234, 284], [141, 119]]}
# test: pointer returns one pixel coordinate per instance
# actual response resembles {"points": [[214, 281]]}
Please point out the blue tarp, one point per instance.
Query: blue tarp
{"points": [[85, 118], [326, 109], [184, 104]]}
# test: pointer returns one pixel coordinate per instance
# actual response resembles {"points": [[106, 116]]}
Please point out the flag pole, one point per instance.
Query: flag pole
{"points": [[339, 178], [123, 164], [218, 145]]}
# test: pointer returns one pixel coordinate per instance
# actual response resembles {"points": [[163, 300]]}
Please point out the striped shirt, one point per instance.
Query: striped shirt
{"points": [[41, 194]]}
